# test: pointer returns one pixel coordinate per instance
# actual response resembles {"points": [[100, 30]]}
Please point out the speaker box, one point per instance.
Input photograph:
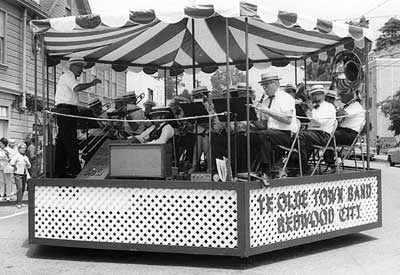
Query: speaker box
{"points": [[140, 160]]}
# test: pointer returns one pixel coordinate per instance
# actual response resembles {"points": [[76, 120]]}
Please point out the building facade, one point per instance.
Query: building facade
{"points": [[17, 74], [384, 82]]}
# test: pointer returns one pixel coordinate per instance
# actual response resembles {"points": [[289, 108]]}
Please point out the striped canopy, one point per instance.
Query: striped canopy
{"points": [[159, 40]]}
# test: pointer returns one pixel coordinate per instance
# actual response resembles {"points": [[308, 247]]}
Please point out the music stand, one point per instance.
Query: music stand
{"points": [[237, 108], [238, 113]]}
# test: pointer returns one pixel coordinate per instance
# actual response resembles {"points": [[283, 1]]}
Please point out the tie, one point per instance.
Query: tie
{"points": [[270, 100]]}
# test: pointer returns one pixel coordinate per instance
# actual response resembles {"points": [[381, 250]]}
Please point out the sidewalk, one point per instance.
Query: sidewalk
{"points": [[8, 208]]}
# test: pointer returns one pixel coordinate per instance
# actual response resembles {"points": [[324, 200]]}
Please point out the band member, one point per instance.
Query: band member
{"points": [[184, 136], [331, 97], [133, 112], [66, 100], [349, 126], [291, 89], [279, 112], [322, 119], [148, 106], [201, 94], [161, 131]]}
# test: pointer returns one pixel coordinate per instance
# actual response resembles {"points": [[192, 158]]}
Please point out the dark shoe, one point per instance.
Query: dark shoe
{"points": [[307, 171], [330, 170]]}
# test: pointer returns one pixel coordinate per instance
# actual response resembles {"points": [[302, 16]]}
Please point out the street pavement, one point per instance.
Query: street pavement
{"points": [[370, 252]]}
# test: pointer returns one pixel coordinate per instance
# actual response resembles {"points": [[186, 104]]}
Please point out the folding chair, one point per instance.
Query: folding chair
{"points": [[292, 149], [346, 150], [318, 148]]}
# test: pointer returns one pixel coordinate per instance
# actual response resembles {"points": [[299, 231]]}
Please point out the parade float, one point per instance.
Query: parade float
{"points": [[98, 209]]}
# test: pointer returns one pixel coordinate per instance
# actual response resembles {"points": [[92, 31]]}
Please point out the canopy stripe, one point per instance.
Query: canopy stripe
{"points": [[142, 39]]}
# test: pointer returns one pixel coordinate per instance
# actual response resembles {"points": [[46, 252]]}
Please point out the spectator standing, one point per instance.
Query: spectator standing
{"points": [[34, 159], [12, 150], [5, 183], [21, 164], [378, 145]]}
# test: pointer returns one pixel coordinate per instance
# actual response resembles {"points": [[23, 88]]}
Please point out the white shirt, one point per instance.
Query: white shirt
{"points": [[356, 116], [282, 103], [11, 151], [65, 89], [323, 118], [21, 164], [166, 133]]}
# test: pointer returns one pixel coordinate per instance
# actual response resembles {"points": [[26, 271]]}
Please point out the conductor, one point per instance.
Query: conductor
{"points": [[66, 99]]}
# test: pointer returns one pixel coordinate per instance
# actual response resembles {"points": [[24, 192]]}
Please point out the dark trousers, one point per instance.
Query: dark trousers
{"points": [[20, 182], [67, 159], [185, 143], [270, 138], [308, 138], [343, 136]]}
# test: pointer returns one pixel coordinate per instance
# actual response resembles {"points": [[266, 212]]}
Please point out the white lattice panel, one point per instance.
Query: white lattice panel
{"points": [[179, 217], [291, 212]]}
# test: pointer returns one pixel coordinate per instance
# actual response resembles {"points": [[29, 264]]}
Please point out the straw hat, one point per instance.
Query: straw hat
{"points": [[181, 99], [79, 61], [94, 102], [290, 87], [269, 77], [162, 110], [317, 88], [242, 86], [332, 93], [200, 90], [149, 102]]}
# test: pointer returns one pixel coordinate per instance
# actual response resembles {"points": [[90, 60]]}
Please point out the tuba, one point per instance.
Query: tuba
{"points": [[347, 72]]}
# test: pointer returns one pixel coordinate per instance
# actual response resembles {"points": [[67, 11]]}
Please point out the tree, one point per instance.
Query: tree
{"points": [[218, 79], [391, 109], [171, 83], [390, 34]]}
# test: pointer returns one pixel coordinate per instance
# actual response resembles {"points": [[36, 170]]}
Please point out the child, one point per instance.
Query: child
{"points": [[21, 164]]}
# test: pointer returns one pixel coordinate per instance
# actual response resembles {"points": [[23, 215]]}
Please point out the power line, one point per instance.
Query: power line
{"points": [[384, 2], [366, 17]]}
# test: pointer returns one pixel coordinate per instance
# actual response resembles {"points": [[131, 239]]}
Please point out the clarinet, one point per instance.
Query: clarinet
{"points": [[261, 99]]}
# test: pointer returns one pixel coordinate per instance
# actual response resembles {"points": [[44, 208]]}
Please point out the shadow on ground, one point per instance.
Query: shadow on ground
{"points": [[148, 258]]}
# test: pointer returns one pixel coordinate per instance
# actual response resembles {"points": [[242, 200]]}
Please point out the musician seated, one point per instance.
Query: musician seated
{"points": [[148, 106], [118, 112], [161, 131], [322, 120], [219, 148], [278, 110], [201, 94], [133, 112], [184, 136], [348, 127], [331, 97]]}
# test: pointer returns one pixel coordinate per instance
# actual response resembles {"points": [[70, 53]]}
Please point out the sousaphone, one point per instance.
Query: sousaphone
{"points": [[347, 72]]}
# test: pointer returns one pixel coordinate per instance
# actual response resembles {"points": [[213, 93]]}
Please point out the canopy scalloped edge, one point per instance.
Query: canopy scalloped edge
{"points": [[285, 18]]}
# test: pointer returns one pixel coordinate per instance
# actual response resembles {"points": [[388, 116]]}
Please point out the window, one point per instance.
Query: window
{"points": [[113, 84], [3, 121], [3, 18], [3, 112], [107, 92], [68, 8]]}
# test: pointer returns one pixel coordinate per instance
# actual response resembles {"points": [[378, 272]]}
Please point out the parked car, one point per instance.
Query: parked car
{"points": [[394, 155], [357, 154]]}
